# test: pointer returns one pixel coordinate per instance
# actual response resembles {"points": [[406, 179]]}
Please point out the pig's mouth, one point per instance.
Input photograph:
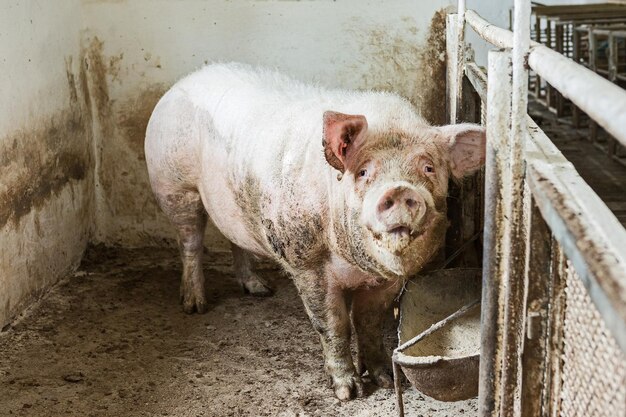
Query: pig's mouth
{"points": [[398, 237], [401, 231]]}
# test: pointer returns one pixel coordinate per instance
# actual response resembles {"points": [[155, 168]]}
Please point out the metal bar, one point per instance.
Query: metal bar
{"points": [[478, 79], [452, 45], [397, 382], [495, 35], [613, 58], [494, 256], [599, 98], [460, 61], [577, 8], [602, 230], [535, 358], [591, 237], [556, 319], [516, 232], [559, 47], [538, 40]]}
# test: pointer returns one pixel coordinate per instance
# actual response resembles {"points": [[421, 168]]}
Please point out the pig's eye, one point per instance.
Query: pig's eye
{"points": [[429, 169], [362, 173]]}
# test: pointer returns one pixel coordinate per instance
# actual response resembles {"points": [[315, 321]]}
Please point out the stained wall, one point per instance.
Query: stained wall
{"points": [[46, 153]]}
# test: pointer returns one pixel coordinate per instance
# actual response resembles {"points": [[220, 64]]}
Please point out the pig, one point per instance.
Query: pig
{"points": [[345, 190]]}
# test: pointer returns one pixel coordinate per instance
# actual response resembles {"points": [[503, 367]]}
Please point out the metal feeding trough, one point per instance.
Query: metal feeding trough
{"points": [[439, 335]]}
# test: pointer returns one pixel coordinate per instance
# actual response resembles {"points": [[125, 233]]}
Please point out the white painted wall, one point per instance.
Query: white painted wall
{"points": [[45, 201]]}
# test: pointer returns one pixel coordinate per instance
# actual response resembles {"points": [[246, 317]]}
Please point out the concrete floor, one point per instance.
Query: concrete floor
{"points": [[112, 341]]}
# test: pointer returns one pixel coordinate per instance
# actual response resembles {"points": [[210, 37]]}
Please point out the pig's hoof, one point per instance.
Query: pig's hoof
{"points": [[192, 304], [383, 380], [256, 286], [382, 377], [349, 387]]}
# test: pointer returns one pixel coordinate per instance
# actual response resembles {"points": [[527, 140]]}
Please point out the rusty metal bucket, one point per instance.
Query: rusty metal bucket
{"points": [[439, 334]]}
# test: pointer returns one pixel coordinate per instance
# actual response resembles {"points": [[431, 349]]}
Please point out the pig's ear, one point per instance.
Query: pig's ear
{"points": [[343, 135], [466, 144]]}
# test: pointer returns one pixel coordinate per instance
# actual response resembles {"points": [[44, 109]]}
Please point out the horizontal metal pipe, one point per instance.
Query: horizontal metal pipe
{"points": [[478, 79], [602, 100], [491, 33]]}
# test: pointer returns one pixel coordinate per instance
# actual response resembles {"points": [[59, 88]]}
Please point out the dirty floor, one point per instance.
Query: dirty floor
{"points": [[112, 341]]}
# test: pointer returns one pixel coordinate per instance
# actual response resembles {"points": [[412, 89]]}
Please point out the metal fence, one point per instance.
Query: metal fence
{"points": [[554, 256]]}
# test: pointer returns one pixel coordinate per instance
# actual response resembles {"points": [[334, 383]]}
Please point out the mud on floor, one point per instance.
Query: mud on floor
{"points": [[112, 341]]}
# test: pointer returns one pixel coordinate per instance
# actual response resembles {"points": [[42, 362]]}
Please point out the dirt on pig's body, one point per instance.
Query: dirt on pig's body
{"points": [[112, 341]]}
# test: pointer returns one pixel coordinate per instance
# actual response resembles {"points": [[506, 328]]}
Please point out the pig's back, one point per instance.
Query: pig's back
{"points": [[254, 137], [262, 117]]}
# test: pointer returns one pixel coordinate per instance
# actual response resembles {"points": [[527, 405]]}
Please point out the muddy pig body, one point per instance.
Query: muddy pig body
{"points": [[346, 190]]}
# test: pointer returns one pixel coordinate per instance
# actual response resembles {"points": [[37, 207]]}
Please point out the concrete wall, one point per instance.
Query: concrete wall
{"points": [[46, 159], [139, 48]]}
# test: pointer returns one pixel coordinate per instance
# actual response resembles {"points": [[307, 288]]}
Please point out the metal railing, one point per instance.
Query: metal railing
{"points": [[546, 231]]}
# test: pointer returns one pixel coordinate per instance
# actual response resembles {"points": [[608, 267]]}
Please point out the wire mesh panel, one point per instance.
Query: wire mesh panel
{"points": [[593, 367]]}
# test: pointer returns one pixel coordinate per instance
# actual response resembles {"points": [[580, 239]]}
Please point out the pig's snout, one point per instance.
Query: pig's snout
{"points": [[400, 206]]}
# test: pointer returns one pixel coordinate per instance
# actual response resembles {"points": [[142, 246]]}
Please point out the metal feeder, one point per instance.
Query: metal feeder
{"points": [[442, 361]]}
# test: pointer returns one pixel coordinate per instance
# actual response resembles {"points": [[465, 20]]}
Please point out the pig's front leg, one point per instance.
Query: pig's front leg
{"points": [[328, 312], [369, 307]]}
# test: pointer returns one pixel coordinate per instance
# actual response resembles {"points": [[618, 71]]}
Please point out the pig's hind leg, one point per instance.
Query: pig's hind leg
{"points": [[250, 281], [186, 211]]}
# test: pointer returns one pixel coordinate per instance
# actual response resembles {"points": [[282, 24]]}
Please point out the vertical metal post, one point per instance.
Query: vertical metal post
{"points": [[455, 49], [536, 353], [516, 235], [612, 57], [397, 382], [577, 58], [613, 62], [560, 48], [460, 60], [592, 45], [538, 40], [549, 45], [452, 46], [494, 255]]}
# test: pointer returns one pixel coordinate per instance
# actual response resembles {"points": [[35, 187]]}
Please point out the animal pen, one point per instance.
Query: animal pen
{"points": [[89, 274], [554, 265]]}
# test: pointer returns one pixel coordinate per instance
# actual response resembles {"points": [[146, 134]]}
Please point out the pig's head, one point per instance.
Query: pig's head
{"points": [[393, 186]]}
